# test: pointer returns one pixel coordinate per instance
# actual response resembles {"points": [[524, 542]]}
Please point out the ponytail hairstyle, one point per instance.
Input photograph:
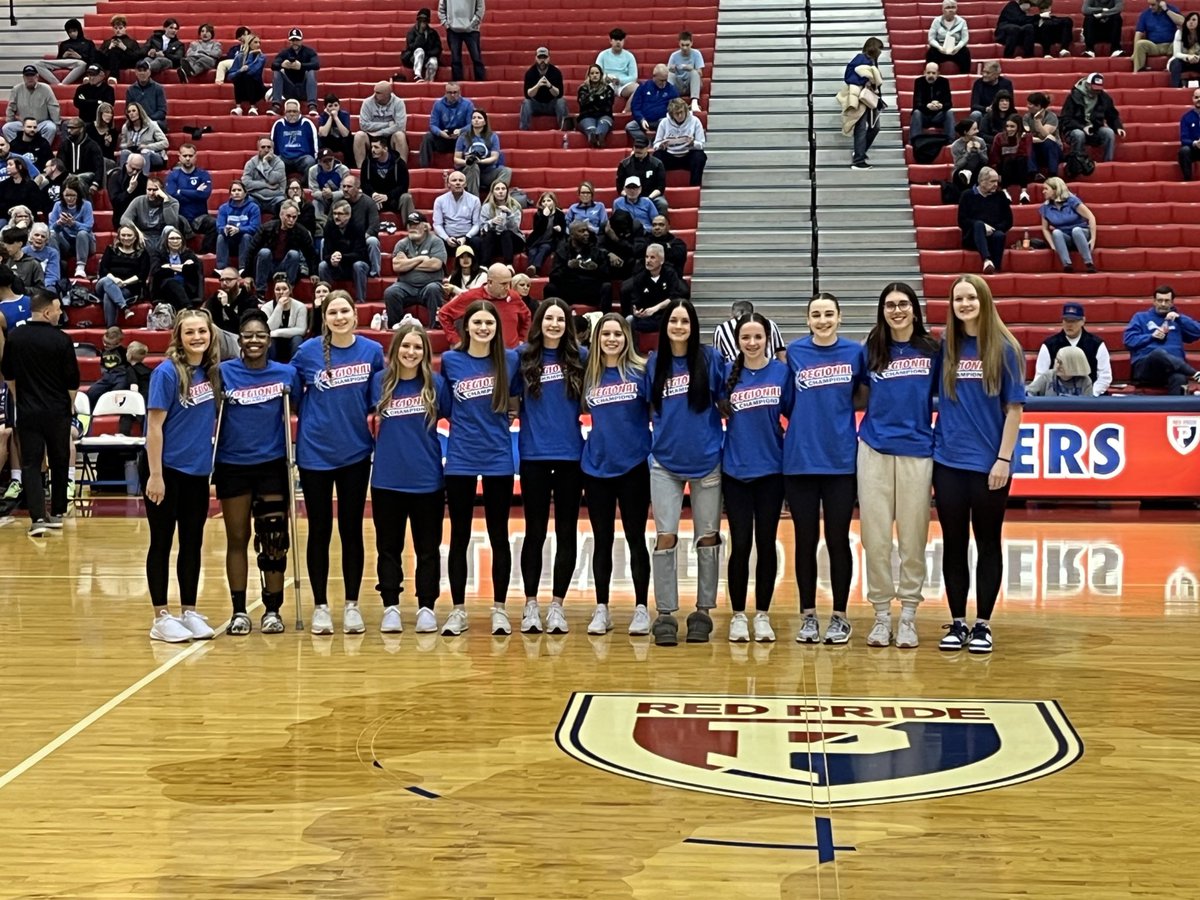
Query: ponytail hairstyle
{"points": [[495, 352], [326, 334], [879, 340], [568, 352], [700, 395], [391, 372], [630, 364], [993, 339], [739, 362], [209, 363]]}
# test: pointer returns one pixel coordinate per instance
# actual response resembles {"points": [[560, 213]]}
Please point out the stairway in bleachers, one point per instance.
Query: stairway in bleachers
{"points": [[37, 34]]}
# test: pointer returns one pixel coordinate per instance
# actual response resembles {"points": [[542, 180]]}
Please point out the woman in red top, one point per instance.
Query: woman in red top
{"points": [[1011, 149]]}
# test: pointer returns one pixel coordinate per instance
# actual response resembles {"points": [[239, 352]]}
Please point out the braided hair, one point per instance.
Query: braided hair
{"points": [[739, 362]]}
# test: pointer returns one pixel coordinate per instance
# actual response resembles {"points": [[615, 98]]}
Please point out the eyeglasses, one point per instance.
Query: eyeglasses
{"points": [[903, 306]]}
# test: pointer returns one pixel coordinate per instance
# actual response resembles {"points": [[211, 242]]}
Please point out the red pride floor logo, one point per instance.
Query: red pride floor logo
{"points": [[845, 751]]}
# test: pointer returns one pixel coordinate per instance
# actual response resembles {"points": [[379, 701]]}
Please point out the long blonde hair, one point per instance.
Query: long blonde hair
{"points": [[993, 338], [209, 364], [391, 372], [629, 364]]}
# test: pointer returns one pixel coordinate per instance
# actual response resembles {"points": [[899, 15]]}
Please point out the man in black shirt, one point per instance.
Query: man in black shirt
{"points": [[649, 168], [43, 375], [226, 307], [543, 91], [931, 104]]}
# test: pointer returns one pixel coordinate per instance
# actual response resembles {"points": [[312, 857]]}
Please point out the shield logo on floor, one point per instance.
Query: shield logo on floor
{"points": [[846, 751]]}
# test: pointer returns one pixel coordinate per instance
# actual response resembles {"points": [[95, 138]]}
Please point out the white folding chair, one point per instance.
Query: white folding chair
{"points": [[104, 433]]}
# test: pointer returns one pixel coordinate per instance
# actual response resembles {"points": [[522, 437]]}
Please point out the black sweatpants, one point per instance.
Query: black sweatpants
{"points": [[753, 509], [631, 492], [809, 496], [351, 483], [965, 505], [497, 504], [184, 507], [541, 481], [392, 512], [45, 435]]}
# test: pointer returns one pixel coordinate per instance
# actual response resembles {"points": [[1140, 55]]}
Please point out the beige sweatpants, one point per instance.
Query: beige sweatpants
{"points": [[893, 489]]}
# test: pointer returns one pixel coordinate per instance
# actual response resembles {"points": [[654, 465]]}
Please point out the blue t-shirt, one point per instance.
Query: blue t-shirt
{"points": [[899, 417], [336, 402], [252, 425], [620, 435], [550, 423], [408, 453], [968, 429], [686, 443], [480, 441], [16, 311], [1064, 217], [753, 433], [821, 437], [188, 429]]}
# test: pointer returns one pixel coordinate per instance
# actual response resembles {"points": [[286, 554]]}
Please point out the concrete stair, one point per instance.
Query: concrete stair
{"points": [[38, 31]]}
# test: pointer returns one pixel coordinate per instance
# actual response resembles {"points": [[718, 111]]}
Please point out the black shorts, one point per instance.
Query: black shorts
{"points": [[259, 479]]}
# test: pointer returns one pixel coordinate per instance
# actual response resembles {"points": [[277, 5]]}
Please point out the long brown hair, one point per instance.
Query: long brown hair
{"points": [[326, 334], [568, 352], [209, 364], [495, 352], [391, 371], [879, 340], [993, 338]]}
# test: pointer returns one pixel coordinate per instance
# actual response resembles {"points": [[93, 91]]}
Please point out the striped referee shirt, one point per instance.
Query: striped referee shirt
{"points": [[723, 340]]}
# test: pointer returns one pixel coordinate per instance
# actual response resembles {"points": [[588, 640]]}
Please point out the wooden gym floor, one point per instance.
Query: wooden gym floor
{"points": [[417, 766]]}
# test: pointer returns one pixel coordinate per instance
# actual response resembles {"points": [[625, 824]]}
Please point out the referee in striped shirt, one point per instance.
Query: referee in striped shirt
{"points": [[723, 337]]}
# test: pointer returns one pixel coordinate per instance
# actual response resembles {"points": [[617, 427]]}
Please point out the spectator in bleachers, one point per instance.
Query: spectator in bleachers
{"points": [[226, 64], [419, 261], [1089, 117], [93, 90], [73, 224], [104, 132], [74, 55], [1185, 51], [679, 142], [147, 93], [191, 186], [20, 188], [648, 168], [422, 49], [385, 178], [1074, 335], [631, 201], [163, 49], [126, 183], [141, 134], [580, 269], [457, 214], [1156, 338], [477, 153], [333, 128], [544, 91], [344, 252], [1069, 377], [308, 212], [969, 152], [295, 139], [26, 270], [42, 249], [202, 54], [588, 210], [985, 218], [1042, 124], [462, 19], [646, 293], [119, 51], [449, 119], [114, 368], [649, 103], [245, 71], [51, 181], [549, 227], [724, 338], [523, 285], [1010, 156], [932, 104], [514, 315], [176, 275], [622, 238], [20, 217], [29, 143], [295, 68], [383, 114], [123, 275], [1015, 29], [500, 235], [466, 274], [948, 38], [685, 65], [82, 157], [31, 99], [284, 245], [287, 319], [238, 220], [1189, 137], [860, 117], [1053, 31], [364, 212], [265, 177], [1154, 34], [618, 65], [325, 183], [1102, 25], [596, 97], [675, 251], [983, 92], [153, 214], [5, 155], [993, 121], [226, 306]]}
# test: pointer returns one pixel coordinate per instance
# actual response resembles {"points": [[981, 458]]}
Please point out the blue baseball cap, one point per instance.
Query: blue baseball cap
{"points": [[1072, 311]]}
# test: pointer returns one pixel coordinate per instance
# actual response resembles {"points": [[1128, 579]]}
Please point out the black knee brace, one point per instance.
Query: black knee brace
{"points": [[271, 539]]}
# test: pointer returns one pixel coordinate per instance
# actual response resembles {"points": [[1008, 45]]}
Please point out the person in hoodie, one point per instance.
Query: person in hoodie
{"points": [[422, 47], [72, 223], [679, 141], [80, 155], [202, 54], [73, 56], [1015, 29], [118, 51], [295, 139], [325, 183], [163, 49], [153, 214], [238, 220], [20, 188], [1089, 117], [385, 180], [461, 19], [46, 253]]}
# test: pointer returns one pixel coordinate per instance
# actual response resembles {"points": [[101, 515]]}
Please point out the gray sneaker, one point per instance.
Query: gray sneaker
{"points": [[665, 630], [810, 631], [839, 630]]}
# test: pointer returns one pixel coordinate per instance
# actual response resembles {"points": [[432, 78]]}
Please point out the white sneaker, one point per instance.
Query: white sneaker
{"points": [[640, 624], [197, 625], [906, 636], [810, 631], [426, 621], [169, 629], [1024, 198], [556, 621], [80, 271], [881, 632], [352, 620], [322, 621], [531, 618], [236, 111], [1118, 53], [392, 623], [601, 621], [695, 105], [500, 621], [254, 110], [456, 622], [1091, 54], [739, 629], [763, 632]]}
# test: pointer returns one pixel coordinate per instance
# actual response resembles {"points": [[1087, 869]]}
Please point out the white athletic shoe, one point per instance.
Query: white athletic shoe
{"points": [[322, 621], [556, 621], [601, 621], [881, 632], [456, 622], [236, 111], [839, 630], [426, 621], [640, 623], [391, 623], [763, 632], [500, 621], [810, 631], [197, 625], [352, 620], [906, 636], [169, 629], [739, 629], [531, 618]]}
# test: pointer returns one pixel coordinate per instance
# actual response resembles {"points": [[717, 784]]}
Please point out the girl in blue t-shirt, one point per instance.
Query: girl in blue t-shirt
{"points": [[979, 415], [550, 444], [818, 462], [484, 386], [895, 460], [685, 380], [251, 470], [333, 450], [614, 465], [182, 412], [757, 392], [407, 486]]}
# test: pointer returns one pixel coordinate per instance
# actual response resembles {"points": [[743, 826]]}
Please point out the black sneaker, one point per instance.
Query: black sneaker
{"points": [[699, 627], [981, 638], [956, 637], [665, 630]]}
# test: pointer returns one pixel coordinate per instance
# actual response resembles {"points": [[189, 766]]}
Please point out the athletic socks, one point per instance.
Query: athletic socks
{"points": [[239, 601], [273, 600]]}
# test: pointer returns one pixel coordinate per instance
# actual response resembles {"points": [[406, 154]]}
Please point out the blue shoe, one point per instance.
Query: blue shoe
{"points": [[956, 637]]}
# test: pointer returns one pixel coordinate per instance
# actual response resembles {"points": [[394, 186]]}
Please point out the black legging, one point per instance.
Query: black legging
{"points": [[392, 511], [184, 507], [961, 59], [808, 496], [539, 480], [351, 483], [504, 244], [965, 505], [753, 509], [631, 492], [497, 504]]}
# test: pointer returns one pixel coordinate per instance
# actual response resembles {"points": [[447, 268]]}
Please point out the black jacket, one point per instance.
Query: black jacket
{"points": [[38, 149], [428, 40], [88, 98], [350, 242], [124, 265], [80, 46], [193, 274], [82, 156], [1088, 343], [298, 238], [596, 105], [566, 277], [995, 209], [925, 93], [306, 56], [25, 193], [174, 51], [1073, 116], [982, 93], [651, 170], [675, 251], [390, 179], [1012, 14], [543, 228], [119, 194], [641, 291], [227, 317]]}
